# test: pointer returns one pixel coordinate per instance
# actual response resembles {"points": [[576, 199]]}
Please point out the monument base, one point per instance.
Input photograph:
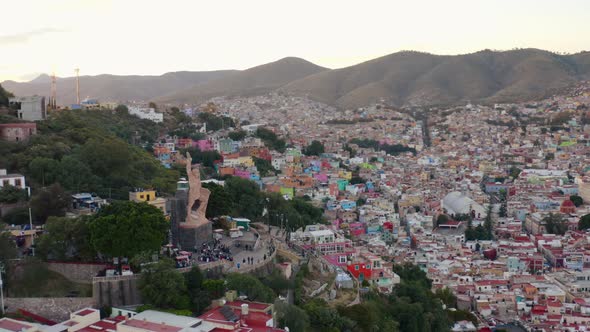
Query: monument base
{"points": [[191, 238]]}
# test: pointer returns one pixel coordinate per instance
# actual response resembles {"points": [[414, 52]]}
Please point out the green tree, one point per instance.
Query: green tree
{"points": [[271, 140], [324, 318], [7, 247], [66, 239], [584, 222], [214, 287], [121, 108], [264, 167], [514, 172], [314, 149], [459, 315], [4, 96], [205, 158], [277, 282], [11, 194], [253, 288], [245, 196], [447, 297], [164, 287], [237, 135], [357, 180], [44, 170], [292, 317], [555, 224], [49, 201], [125, 229], [577, 200], [219, 201], [442, 219], [487, 223]]}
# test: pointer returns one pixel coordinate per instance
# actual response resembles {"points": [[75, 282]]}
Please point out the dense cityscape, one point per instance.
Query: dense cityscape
{"points": [[308, 166]]}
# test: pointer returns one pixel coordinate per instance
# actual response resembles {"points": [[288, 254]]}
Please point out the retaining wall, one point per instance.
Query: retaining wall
{"points": [[77, 272]]}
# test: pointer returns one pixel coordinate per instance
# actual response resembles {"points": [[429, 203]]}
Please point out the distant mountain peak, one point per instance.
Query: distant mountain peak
{"points": [[43, 78]]}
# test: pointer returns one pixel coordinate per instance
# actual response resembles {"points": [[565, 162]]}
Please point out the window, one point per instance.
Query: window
{"points": [[17, 183], [356, 267], [5, 183], [141, 196], [369, 266]]}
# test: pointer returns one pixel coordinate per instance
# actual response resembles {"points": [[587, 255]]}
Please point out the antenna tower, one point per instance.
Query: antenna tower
{"points": [[77, 86], [53, 100]]}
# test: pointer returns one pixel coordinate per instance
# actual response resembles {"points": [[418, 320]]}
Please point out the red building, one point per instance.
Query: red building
{"points": [[368, 267], [17, 132], [242, 316], [567, 207]]}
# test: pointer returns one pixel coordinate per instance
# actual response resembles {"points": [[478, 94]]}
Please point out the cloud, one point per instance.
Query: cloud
{"points": [[23, 37]]}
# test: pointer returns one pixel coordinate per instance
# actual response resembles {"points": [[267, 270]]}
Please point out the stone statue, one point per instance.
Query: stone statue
{"points": [[197, 196]]}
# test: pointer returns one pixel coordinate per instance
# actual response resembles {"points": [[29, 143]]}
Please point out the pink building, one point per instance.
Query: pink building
{"points": [[242, 173], [322, 178], [17, 132], [204, 145]]}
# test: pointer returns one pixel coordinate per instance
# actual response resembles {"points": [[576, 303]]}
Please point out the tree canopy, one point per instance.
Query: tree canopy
{"points": [[393, 150], [237, 135], [90, 151], [50, 201], [67, 239], [4, 96], [314, 149], [7, 246], [11, 194], [271, 139], [163, 286], [555, 223], [126, 228], [584, 222], [251, 286], [577, 200]]}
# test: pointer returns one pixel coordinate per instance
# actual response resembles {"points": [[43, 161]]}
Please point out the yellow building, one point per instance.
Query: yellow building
{"points": [[486, 167], [345, 175], [246, 161], [148, 196]]}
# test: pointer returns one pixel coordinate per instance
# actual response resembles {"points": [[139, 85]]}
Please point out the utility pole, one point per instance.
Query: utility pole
{"points": [[77, 70], [2, 290], [31, 223], [53, 101]]}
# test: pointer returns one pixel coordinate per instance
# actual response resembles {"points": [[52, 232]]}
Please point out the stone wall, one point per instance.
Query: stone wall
{"points": [[116, 291], [54, 308], [123, 290], [77, 272]]}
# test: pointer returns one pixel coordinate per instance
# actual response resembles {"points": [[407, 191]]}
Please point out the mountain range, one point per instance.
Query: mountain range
{"points": [[402, 78]]}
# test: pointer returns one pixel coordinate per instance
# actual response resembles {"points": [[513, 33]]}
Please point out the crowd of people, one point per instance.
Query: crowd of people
{"points": [[216, 251]]}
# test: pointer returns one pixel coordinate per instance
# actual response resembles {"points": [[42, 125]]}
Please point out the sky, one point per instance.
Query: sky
{"points": [[146, 37]]}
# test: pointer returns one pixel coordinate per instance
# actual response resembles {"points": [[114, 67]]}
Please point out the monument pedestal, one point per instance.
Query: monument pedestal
{"points": [[191, 237]]}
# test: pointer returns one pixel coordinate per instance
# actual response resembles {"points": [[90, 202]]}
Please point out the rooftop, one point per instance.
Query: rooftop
{"points": [[7, 324]]}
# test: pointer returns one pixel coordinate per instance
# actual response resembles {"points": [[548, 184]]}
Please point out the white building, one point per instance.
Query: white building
{"points": [[459, 203], [15, 180], [146, 113], [30, 108]]}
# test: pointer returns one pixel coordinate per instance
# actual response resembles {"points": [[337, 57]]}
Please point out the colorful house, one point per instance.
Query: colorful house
{"points": [[289, 192]]}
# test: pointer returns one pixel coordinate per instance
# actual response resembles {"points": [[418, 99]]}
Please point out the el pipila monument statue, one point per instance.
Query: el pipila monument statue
{"points": [[191, 226], [198, 197]]}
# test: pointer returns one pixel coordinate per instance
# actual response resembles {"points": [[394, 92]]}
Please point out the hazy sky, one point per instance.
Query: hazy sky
{"points": [[154, 37]]}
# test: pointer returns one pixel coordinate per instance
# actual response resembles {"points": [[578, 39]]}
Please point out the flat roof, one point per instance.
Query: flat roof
{"points": [[150, 326], [85, 312], [322, 232], [13, 325]]}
